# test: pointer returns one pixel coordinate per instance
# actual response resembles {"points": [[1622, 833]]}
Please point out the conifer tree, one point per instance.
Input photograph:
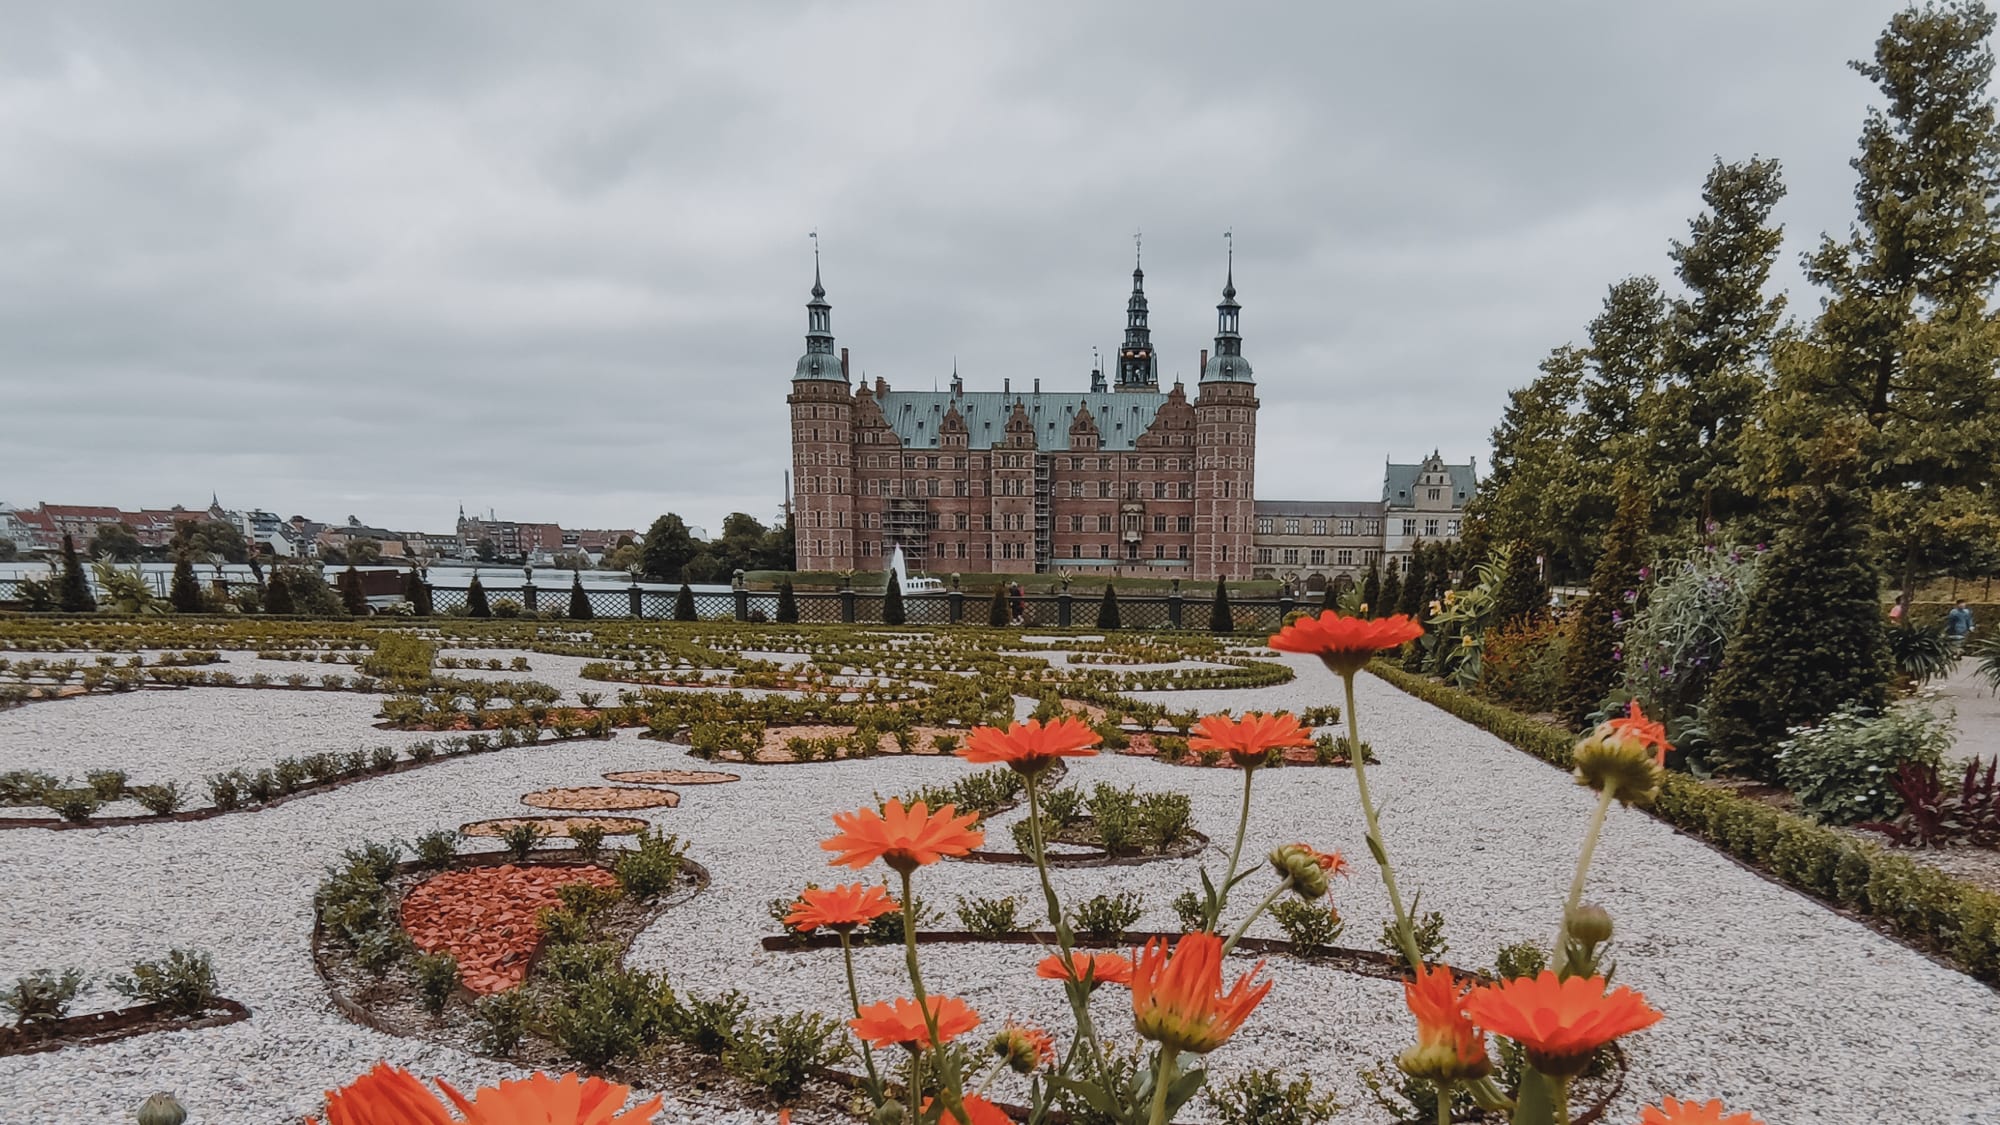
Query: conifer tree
{"points": [[1221, 619], [997, 614], [352, 596], [1812, 636], [1107, 609], [475, 599], [1416, 580], [684, 604], [184, 594], [892, 601], [1521, 599], [788, 603], [278, 593], [1392, 592], [417, 592], [1371, 592], [1590, 666], [579, 602], [73, 592]]}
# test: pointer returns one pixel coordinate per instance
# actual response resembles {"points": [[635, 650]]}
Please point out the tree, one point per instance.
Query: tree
{"points": [[475, 599], [623, 557], [892, 601], [1392, 592], [185, 592], [1905, 346], [352, 596], [1371, 592], [9, 550], [788, 603], [363, 552], [278, 593], [1812, 637], [997, 614], [579, 602], [1416, 580], [1221, 619], [210, 539], [667, 550], [116, 542], [1521, 598], [1590, 665], [73, 591], [417, 592], [487, 551], [684, 604], [1107, 609]]}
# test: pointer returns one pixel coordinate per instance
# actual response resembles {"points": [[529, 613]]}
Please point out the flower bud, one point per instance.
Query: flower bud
{"points": [[1306, 868], [1590, 925], [1625, 766], [1023, 1048], [161, 1109]]}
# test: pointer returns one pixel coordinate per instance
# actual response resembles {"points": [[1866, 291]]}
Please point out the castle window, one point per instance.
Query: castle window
{"points": [[1104, 550], [1291, 526], [1159, 523], [1371, 527], [1159, 550], [1266, 525], [1183, 524], [1345, 556], [1319, 527], [1368, 557], [1316, 557], [1347, 527], [1451, 527], [1076, 550], [1430, 527], [1266, 556], [1291, 556], [1437, 494]]}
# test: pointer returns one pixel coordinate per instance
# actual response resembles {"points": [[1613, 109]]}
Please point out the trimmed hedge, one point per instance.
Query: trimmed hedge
{"points": [[1923, 906]]}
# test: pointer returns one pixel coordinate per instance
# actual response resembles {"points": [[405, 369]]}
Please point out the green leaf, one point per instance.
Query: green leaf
{"points": [[1184, 1088], [1535, 1102], [1093, 1095]]}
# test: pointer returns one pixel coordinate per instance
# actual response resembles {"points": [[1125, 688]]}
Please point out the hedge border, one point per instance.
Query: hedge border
{"points": [[1953, 921]]}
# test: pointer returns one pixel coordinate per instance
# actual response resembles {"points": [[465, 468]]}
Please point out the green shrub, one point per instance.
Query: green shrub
{"points": [[1220, 618], [183, 981], [160, 800], [73, 805], [651, 869], [588, 840], [109, 785], [1673, 647], [684, 604], [520, 839], [1312, 927], [226, 789], [500, 1020], [1107, 610], [381, 949], [41, 997], [1107, 916], [1427, 929], [26, 787], [400, 658], [1266, 1097], [1521, 666], [1841, 771], [1188, 909], [436, 977], [436, 850], [1590, 664], [1520, 959], [707, 1025], [608, 1017], [777, 1056], [989, 916]]}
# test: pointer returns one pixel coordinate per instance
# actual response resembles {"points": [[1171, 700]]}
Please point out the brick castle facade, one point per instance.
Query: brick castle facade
{"points": [[1124, 479]]}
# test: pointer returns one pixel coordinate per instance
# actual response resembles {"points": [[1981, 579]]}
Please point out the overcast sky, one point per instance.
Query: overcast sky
{"points": [[382, 259]]}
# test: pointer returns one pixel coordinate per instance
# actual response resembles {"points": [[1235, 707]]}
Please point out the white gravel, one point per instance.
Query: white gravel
{"points": [[1774, 1003]]}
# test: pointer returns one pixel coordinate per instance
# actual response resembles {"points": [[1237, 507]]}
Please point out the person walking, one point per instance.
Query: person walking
{"points": [[1958, 622], [1020, 605]]}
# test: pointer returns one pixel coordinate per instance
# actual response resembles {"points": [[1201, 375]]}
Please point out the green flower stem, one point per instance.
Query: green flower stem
{"points": [[915, 1091], [1562, 1101], [1283, 886], [1162, 1079], [1077, 991], [1590, 836], [910, 958], [1406, 937], [854, 1000], [1444, 1103], [1235, 852]]}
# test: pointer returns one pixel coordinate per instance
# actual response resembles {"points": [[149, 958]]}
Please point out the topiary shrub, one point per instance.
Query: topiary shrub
{"points": [[1591, 666], [1107, 610], [788, 604], [1221, 619], [1371, 592], [997, 614], [184, 594], [417, 592], [579, 602], [475, 599], [892, 601], [351, 595], [1812, 637], [1521, 598], [684, 604], [1392, 593]]}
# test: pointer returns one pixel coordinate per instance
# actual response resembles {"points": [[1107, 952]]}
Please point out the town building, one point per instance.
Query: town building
{"points": [[1122, 479], [1316, 542]]}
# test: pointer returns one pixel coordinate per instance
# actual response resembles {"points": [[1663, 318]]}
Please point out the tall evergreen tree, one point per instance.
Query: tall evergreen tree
{"points": [[684, 604], [1221, 619], [73, 591], [184, 594], [475, 599], [1903, 353], [788, 603], [352, 596], [1812, 636], [1416, 580], [1521, 598], [1392, 592], [997, 613], [278, 593], [417, 592], [579, 602], [1107, 609], [892, 601], [1590, 665], [1534, 465], [1371, 592]]}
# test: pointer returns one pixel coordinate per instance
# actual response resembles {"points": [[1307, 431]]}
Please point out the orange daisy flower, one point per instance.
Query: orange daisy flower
{"points": [[1095, 968], [1673, 1111], [1024, 1048], [978, 1111], [1636, 727], [1249, 740], [1028, 747], [386, 1095], [1449, 1048], [905, 839], [1560, 1023], [1178, 1001], [840, 908], [559, 1101], [901, 1022], [1345, 644]]}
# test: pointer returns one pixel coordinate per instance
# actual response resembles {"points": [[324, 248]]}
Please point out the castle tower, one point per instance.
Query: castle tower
{"points": [[822, 444], [1225, 411], [1138, 367]]}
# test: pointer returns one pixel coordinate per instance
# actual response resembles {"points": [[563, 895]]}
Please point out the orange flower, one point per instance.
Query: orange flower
{"points": [[389, 1095], [568, 1100], [1028, 747], [901, 1022], [1448, 1048], [978, 1111], [1249, 740], [1673, 1111], [1024, 1048], [1178, 1001], [905, 839], [839, 908], [1636, 727], [1095, 968], [1560, 1023], [1345, 644]]}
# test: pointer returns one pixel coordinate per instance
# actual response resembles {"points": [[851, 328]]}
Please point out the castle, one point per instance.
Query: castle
{"points": [[1124, 479]]}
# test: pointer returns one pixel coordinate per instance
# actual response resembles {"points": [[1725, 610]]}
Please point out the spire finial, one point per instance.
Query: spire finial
{"points": [[818, 289], [1138, 256], [1229, 284]]}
